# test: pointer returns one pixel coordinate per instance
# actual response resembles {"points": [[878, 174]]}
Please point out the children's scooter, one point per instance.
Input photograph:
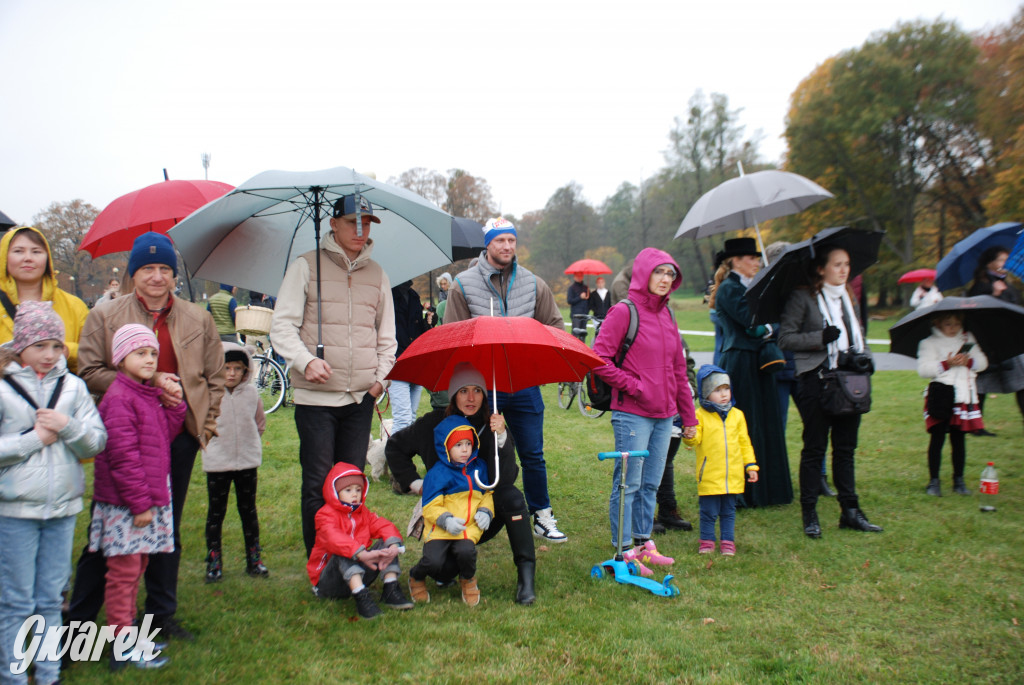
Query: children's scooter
{"points": [[628, 572]]}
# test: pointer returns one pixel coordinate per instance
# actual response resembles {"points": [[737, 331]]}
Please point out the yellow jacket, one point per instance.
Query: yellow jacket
{"points": [[724, 452], [71, 309]]}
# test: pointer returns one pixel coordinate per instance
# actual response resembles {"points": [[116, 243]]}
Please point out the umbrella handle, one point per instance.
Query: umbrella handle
{"points": [[497, 457]]}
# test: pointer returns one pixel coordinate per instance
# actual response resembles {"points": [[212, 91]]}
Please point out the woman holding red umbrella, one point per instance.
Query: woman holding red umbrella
{"points": [[26, 273], [468, 398]]}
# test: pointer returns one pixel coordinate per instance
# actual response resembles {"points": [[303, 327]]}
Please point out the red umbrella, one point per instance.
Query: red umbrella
{"points": [[517, 351], [588, 266], [154, 208], [918, 275]]}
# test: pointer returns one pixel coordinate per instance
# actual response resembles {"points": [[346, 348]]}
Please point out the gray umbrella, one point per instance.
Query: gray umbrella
{"points": [[250, 236], [6, 222], [744, 201]]}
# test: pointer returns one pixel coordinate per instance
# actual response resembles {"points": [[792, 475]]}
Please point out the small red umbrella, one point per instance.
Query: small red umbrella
{"points": [[918, 275], [588, 266], [154, 208], [517, 352]]}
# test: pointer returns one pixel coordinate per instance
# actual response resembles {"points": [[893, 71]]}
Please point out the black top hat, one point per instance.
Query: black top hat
{"points": [[739, 247]]}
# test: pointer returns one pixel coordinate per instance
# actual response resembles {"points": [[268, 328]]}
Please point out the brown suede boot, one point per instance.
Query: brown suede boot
{"points": [[418, 591], [470, 592]]}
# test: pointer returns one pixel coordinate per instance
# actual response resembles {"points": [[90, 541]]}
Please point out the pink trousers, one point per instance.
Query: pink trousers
{"points": [[123, 575]]}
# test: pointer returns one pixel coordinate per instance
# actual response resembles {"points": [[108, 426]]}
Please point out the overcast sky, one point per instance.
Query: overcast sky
{"points": [[99, 96]]}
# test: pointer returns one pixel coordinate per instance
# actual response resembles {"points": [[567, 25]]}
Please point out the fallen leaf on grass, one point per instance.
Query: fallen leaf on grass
{"points": [[705, 621], [543, 548], [708, 566], [823, 586], [866, 564], [1015, 622]]}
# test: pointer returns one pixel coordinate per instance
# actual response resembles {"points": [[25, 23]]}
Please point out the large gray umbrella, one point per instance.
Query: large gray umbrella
{"points": [[249, 237], [748, 199]]}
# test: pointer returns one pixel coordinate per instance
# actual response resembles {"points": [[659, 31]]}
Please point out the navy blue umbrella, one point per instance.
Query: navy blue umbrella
{"points": [[956, 269]]}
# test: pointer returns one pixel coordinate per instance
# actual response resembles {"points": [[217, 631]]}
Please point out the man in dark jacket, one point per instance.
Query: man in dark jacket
{"points": [[578, 296], [409, 324]]}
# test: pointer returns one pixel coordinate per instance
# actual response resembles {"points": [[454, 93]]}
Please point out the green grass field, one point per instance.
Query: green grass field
{"points": [[936, 598]]}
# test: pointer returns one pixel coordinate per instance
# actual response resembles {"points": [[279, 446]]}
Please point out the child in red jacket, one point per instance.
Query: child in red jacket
{"points": [[354, 545], [131, 518]]}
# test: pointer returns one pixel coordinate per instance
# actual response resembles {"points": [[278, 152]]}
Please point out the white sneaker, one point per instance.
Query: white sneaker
{"points": [[545, 526]]}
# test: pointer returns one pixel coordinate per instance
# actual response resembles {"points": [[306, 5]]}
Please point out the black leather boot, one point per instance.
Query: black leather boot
{"points": [[254, 562], [826, 491], [812, 528], [671, 519], [855, 519], [524, 585]]}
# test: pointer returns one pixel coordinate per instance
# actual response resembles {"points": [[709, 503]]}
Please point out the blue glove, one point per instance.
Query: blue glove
{"points": [[453, 525], [483, 518]]}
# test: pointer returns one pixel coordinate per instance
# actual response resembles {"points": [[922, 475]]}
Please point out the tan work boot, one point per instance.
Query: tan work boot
{"points": [[418, 591], [470, 592]]}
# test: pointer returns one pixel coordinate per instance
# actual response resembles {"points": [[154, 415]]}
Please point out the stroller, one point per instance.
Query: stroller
{"points": [[627, 572]]}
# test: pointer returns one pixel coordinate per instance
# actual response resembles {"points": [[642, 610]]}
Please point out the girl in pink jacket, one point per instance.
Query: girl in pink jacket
{"points": [[132, 513]]}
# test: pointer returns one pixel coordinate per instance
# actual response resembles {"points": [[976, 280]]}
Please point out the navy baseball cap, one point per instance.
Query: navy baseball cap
{"points": [[346, 206]]}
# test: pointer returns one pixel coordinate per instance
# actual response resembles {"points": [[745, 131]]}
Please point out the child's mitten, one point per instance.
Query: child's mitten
{"points": [[483, 518], [453, 525]]}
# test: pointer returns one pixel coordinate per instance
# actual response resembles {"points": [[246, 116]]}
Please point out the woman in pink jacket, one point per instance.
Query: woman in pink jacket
{"points": [[649, 389]]}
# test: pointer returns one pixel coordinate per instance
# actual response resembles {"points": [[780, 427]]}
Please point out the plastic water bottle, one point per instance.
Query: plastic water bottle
{"points": [[989, 488]]}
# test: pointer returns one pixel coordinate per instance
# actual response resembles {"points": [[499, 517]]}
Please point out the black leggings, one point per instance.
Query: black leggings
{"points": [[956, 441], [218, 485]]}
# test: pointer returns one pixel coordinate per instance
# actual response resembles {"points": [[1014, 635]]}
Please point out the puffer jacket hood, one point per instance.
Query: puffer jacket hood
{"points": [[441, 433], [340, 470], [248, 351]]}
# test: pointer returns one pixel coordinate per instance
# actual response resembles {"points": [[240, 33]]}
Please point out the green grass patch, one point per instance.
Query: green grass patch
{"points": [[936, 598]]}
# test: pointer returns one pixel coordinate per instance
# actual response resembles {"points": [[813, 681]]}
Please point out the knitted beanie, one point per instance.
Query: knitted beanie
{"points": [[345, 481], [712, 381], [495, 227], [129, 338], [463, 375], [152, 248], [35, 322]]}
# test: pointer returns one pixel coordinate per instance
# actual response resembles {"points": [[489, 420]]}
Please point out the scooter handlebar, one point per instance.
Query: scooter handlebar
{"points": [[618, 455]]}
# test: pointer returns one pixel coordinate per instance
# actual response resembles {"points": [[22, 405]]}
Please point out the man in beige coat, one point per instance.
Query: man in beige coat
{"points": [[335, 394]]}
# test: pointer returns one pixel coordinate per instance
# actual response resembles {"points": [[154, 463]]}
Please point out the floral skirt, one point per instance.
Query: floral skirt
{"points": [[966, 419], [113, 532]]}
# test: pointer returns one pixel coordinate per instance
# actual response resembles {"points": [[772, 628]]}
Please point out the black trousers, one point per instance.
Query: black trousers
{"points": [[162, 572], [511, 513], [440, 556], [218, 487], [817, 428], [666, 495], [328, 435]]}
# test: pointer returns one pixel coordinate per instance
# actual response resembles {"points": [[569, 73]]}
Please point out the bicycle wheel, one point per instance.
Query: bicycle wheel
{"points": [[566, 394], [584, 402], [270, 382]]}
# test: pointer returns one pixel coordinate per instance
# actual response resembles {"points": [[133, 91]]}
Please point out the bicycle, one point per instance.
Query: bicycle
{"points": [[271, 378], [568, 391]]}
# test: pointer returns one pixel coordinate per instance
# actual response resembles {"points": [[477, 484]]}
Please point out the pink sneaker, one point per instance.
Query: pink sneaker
{"points": [[728, 548], [706, 547], [650, 554], [631, 556]]}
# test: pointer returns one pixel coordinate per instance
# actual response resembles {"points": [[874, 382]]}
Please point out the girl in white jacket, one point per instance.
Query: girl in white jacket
{"points": [[48, 425], [951, 357]]}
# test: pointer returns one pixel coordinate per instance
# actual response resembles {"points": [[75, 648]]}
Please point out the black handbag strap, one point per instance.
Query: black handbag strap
{"points": [[28, 398], [8, 305]]}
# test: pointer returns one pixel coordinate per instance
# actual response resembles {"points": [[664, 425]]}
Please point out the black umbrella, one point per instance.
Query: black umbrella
{"points": [[6, 222], [991, 320], [771, 287], [467, 238]]}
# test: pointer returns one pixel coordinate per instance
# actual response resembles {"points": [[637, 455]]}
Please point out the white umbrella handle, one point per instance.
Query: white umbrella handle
{"points": [[494, 398], [497, 464]]}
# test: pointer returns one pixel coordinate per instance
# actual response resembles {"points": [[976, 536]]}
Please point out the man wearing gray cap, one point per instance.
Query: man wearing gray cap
{"points": [[335, 394]]}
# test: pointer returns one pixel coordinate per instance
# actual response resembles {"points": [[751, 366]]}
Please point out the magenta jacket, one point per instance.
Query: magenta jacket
{"points": [[132, 471], [652, 381]]}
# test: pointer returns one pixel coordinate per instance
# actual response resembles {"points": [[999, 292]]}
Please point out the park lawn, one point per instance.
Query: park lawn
{"points": [[936, 598]]}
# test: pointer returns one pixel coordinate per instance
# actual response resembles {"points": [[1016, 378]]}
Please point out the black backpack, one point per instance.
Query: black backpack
{"points": [[598, 391]]}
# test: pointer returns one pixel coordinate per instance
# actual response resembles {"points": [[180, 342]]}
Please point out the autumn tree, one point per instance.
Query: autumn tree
{"points": [[891, 129], [468, 196], [566, 231], [427, 183], [64, 224]]}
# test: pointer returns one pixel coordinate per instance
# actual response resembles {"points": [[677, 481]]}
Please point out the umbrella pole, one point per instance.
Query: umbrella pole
{"points": [[494, 402], [760, 243], [316, 233]]}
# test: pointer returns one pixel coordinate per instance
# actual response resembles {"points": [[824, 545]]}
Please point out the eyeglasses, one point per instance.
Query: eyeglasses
{"points": [[665, 271]]}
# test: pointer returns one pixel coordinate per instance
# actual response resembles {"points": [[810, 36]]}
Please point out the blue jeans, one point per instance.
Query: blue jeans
{"points": [[643, 476], [721, 507], [524, 413], [35, 565], [405, 400]]}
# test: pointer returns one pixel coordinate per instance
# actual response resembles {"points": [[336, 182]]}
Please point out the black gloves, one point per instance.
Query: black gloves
{"points": [[829, 334]]}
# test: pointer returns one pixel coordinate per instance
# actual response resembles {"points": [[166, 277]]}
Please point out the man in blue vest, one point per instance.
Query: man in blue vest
{"points": [[497, 278]]}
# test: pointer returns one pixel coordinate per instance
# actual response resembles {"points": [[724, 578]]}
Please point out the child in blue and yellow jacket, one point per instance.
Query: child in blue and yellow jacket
{"points": [[456, 512], [724, 457]]}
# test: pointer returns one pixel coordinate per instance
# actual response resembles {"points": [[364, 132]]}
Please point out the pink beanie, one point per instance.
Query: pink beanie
{"points": [[129, 338], [35, 322]]}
